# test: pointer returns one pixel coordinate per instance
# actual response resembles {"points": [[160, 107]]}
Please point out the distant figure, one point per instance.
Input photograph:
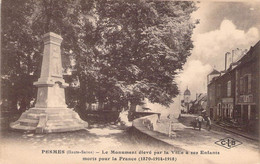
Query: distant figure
{"points": [[200, 119], [203, 113], [208, 125], [32, 102]]}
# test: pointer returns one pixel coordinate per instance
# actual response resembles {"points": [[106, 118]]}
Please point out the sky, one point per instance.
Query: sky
{"points": [[224, 26]]}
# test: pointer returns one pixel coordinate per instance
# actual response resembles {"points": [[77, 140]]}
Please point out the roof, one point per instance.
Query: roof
{"points": [[187, 92], [214, 72], [249, 55], [201, 97]]}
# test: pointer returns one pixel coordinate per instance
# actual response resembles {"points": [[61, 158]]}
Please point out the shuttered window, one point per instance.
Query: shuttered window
{"points": [[249, 83], [241, 86], [246, 84], [229, 88], [218, 90]]}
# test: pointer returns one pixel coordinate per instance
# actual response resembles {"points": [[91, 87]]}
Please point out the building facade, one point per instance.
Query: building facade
{"points": [[247, 87], [233, 95], [211, 92], [199, 104], [186, 100]]}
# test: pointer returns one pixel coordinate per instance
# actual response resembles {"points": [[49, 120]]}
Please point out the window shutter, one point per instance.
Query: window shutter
{"points": [[241, 85], [229, 88], [249, 83]]}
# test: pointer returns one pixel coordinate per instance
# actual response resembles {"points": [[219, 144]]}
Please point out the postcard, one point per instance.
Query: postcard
{"points": [[143, 81]]}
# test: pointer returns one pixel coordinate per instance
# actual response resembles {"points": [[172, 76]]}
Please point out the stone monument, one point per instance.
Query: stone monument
{"points": [[50, 113]]}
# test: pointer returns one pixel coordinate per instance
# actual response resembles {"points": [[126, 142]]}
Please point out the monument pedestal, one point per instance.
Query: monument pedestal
{"points": [[50, 113], [47, 120]]}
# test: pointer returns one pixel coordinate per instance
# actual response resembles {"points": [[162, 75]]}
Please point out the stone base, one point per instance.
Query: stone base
{"points": [[48, 120]]}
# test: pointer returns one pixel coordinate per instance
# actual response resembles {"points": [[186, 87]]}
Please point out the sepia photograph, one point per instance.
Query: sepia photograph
{"points": [[130, 81]]}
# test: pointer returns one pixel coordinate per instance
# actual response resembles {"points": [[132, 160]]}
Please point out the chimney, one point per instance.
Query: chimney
{"points": [[226, 59], [233, 54]]}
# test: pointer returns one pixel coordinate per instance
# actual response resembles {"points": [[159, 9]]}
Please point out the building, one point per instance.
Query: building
{"points": [[186, 102], [211, 92], [212, 75], [199, 104], [247, 87], [233, 94]]}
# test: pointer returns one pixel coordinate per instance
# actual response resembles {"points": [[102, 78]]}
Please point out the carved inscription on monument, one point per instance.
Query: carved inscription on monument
{"points": [[56, 70], [41, 97]]}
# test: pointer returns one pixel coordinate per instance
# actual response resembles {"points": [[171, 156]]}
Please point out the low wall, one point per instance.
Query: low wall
{"points": [[143, 129], [154, 123], [134, 115], [140, 137], [148, 127]]}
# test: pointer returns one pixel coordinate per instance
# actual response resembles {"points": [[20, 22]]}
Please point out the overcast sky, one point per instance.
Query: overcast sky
{"points": [[224, 26]]}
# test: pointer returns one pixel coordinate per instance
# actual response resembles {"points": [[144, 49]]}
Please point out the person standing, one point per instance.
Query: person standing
{"points": [[200, 119], [208, 125]]}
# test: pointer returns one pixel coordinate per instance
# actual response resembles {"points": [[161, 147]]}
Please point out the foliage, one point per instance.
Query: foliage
{"points": [[119, 51], [142, 45], [21, 56]]}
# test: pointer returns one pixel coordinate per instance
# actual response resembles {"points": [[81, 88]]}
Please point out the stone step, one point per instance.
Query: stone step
{"points": [[49, 110], [56, 120], [54, 116], [67, 115], [61, 120], [59, 117], [23, 127], [28, 122], [63, 123], [33, 116]]}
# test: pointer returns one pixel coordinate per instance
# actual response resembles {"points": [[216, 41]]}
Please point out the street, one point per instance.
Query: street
{"points": [[130, 81], [116, 137], [204, 140], [95, 136]]}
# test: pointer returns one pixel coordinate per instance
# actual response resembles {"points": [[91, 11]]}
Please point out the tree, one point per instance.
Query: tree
{"points": [[24, 23], [20, 60], [143, 44], [123, 51]]}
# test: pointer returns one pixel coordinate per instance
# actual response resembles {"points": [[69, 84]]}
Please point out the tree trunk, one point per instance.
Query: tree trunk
{"points": [[14, 101], [131, 111], [24, 104], [133, 107], [82, 97]]}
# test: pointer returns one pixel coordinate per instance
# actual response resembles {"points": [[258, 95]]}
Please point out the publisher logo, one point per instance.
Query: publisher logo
{"points": [[228, 142]]}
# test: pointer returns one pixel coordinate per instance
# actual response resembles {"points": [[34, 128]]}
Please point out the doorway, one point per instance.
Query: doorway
{"points": [[245, 113], [211, 113]]}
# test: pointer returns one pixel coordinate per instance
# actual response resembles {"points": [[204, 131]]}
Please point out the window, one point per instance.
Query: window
{"points": [[231, 111], [249, 83], [219, 108], [245, 84], [229, 88], [218, 90], [241, 86]]}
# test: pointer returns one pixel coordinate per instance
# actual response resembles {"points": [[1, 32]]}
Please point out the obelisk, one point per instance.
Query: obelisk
{"points": [[50, 113]]}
